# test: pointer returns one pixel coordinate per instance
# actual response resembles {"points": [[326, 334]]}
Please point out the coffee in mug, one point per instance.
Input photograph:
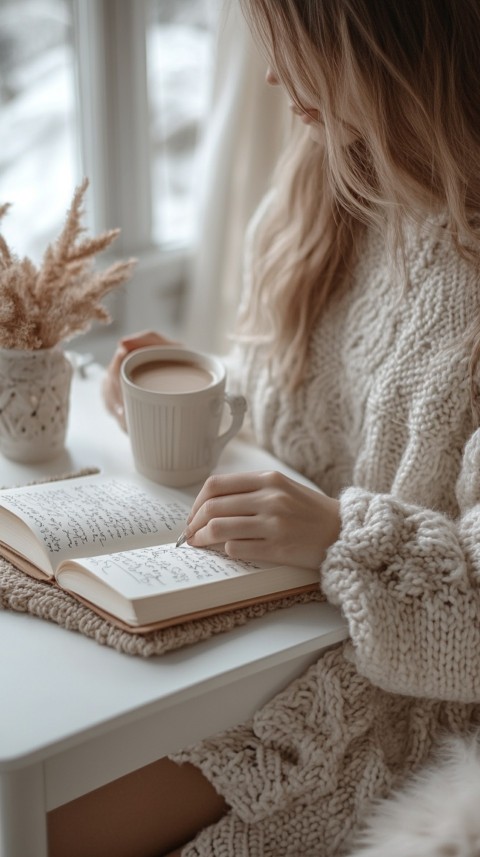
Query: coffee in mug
{"points": [[171, 376], [174, 402]]}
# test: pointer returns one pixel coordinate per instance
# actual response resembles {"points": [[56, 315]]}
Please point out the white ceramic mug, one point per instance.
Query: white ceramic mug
{"points": [[174, 401]]}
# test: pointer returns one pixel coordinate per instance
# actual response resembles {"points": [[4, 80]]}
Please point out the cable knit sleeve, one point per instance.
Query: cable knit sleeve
{"points": [[408, 581]]}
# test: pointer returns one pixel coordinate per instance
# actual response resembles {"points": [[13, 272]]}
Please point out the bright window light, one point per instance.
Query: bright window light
{"points": [[37, 121], [180, 48]]}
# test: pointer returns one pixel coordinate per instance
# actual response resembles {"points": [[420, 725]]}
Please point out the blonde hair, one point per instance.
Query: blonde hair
{"points": [[406, 77]]}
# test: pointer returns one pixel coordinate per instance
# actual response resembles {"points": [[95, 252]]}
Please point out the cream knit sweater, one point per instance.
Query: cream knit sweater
{"points": [[383, 421]]}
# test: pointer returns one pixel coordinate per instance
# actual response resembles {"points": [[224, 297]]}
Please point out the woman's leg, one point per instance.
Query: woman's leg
{"points": [[147, 813]]}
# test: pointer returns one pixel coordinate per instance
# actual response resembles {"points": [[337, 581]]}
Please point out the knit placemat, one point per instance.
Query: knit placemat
{"points": [[22, 593]]}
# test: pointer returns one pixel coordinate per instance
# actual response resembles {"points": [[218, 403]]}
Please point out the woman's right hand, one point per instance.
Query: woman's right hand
{"points": [[112, 390]]}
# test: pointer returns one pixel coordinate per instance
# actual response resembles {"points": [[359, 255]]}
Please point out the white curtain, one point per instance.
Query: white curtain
{"points": [[243, 136]]}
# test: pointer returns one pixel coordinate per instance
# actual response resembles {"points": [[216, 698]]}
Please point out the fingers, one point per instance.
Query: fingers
{"points": [[231, 505], [264, 516], [233, 509], [111, 388], [222, 485], [221, 530], [230, 516], [144, 339]]}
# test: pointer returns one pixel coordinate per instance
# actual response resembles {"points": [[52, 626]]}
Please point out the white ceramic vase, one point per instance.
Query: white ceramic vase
{"points": [[34, 403]]}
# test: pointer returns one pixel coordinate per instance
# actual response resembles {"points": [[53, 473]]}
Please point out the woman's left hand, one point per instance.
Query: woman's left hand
{"points": [[111, 387], [264, 516]]}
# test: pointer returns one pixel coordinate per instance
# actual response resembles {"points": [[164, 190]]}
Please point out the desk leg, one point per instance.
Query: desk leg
{"points": [[23, 818]]}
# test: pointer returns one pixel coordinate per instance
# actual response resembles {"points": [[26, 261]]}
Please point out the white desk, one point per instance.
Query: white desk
{"points": [[75, 715]]}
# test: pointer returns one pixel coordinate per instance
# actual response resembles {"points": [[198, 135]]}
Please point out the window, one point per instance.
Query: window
{"points": [[37, 120], [179, 63], [117, 91]]}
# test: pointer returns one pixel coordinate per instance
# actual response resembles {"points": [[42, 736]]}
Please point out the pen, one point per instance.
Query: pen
{"points": [[181, 539]]}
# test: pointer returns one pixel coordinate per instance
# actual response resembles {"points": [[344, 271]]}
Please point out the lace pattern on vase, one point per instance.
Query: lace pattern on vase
{"points": [[34, 403]]}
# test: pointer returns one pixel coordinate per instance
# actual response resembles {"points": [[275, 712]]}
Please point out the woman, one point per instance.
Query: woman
{"points": [[357, 349]]}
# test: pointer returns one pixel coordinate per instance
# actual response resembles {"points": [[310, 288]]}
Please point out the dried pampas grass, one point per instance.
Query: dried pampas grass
{"points": [[41, 307]]}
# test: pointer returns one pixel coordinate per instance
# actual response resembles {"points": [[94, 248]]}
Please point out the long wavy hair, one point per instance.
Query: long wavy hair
{"points": [[405, 79]]}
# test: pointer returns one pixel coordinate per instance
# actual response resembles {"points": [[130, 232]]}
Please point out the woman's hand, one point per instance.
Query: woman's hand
{"points": [[112, 390], [264, 516]]}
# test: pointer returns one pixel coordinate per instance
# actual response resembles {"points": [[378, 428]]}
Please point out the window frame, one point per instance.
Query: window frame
{"points": [[115, 152]]}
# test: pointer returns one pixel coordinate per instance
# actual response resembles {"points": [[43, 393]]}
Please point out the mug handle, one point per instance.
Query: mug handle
{"points": [[238, 406]]}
